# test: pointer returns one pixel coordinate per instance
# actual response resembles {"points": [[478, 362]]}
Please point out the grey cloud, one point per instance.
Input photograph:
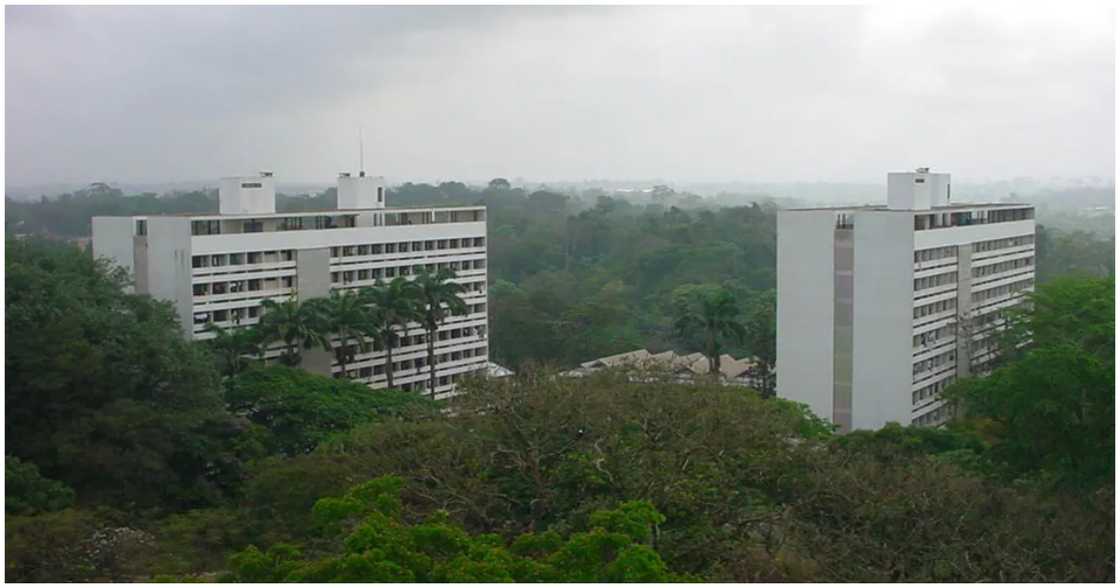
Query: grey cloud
{"points": [[753, 93]]}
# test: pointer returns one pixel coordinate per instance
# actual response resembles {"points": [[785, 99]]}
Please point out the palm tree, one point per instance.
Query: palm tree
{"points": [[392, 306], [440, 298], [232, 346], [296, 324], [345, 315], [709, 312]]}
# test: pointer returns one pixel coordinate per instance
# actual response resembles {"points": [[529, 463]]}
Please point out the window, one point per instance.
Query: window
{"points": [[212, 227], [201, 289], [250, 184], [141, 227], [252, 226], [199, 261]]}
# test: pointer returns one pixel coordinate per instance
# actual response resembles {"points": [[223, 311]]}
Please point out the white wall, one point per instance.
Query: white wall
{"points": [[112, 239], [805, 308], [234, 198], [360, 192], [916, 190], [169, 264], [882, 318]]}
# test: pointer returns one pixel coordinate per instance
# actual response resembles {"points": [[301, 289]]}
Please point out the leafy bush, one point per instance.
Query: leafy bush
{"points": [[26, 492]]}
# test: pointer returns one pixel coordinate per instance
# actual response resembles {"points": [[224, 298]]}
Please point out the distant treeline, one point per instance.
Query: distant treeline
{"points": [[573, 276]]}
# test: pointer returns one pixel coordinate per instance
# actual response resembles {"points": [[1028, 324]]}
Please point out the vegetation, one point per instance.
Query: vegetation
{"points": [[393, 306], [579, 276], [1050, 409], [707, 315], [438, 297], [300, 409], [130, 457]]}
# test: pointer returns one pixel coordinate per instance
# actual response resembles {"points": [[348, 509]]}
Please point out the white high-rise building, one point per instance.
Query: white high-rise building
{"points": [[218, 268], [880, 307]]}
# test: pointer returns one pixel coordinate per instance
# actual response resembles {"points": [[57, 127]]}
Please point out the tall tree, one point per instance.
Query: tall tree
{"points": [[439, 297], [103, 392], [344, 315], [298, 324], [234, 347], [393, 306], [1051, 407], [761, 338], [708, 313]]}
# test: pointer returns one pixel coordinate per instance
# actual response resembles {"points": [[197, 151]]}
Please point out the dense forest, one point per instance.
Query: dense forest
{"points": [[131, 456], [575, 276]]}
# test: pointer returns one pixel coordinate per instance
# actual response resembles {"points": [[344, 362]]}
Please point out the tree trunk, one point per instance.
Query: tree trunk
{"points": [[340, 357], [713, 354], [290, 354], [389, 359], [432, 359]]}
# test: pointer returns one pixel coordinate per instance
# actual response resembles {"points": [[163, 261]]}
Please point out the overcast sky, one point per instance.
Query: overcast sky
{"points": [[136, 94]]}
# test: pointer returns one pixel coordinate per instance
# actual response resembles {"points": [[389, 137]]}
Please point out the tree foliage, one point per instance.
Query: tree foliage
{"points": [[1049, 409], [300, 409], [103, 393], [376, 544]]}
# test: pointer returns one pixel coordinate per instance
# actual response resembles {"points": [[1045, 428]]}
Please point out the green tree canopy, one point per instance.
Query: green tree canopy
{"points": [[103, 392], [300, 409], [1051, 406]]}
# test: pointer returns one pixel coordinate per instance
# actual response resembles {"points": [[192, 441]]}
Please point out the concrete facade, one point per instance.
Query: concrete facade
{"points": [[881, 307], [217, 269]]}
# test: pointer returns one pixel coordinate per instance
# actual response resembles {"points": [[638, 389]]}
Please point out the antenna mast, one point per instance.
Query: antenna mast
{"points": [[361, 154]]}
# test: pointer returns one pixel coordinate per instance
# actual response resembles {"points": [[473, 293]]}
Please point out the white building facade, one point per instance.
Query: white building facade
{"points": [[218, 268], [881, 307]]}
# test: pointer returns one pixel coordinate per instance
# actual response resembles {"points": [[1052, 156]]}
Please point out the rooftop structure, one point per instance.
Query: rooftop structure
{"points": [[682, 367]]}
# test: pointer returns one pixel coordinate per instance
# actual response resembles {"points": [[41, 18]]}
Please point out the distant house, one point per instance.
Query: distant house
{"points": [[741, 372]]}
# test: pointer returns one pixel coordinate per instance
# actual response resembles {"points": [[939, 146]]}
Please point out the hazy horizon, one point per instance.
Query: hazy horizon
{"points": [[137, 95]]}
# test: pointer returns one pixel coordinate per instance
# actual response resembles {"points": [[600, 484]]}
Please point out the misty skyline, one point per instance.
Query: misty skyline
{"points": [[164, 94]]}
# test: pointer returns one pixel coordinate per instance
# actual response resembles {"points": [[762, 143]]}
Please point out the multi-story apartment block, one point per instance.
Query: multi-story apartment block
{"points": [[218, 268], [881, 307]]}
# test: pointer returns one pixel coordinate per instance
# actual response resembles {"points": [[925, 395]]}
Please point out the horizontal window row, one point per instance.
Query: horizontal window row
{"points": [[966, 218], [236, 286], [345, 277], [420, 362], [289, 223], [935, 254], [1005, 243], [407, 246], [935, 362], [421, 339], [935, 307], [245, 258], [1001, 291], [931, 391], [934, 417], [934, 281], [931, 338], [1003, 266], [422, 385], [232, 314]]}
